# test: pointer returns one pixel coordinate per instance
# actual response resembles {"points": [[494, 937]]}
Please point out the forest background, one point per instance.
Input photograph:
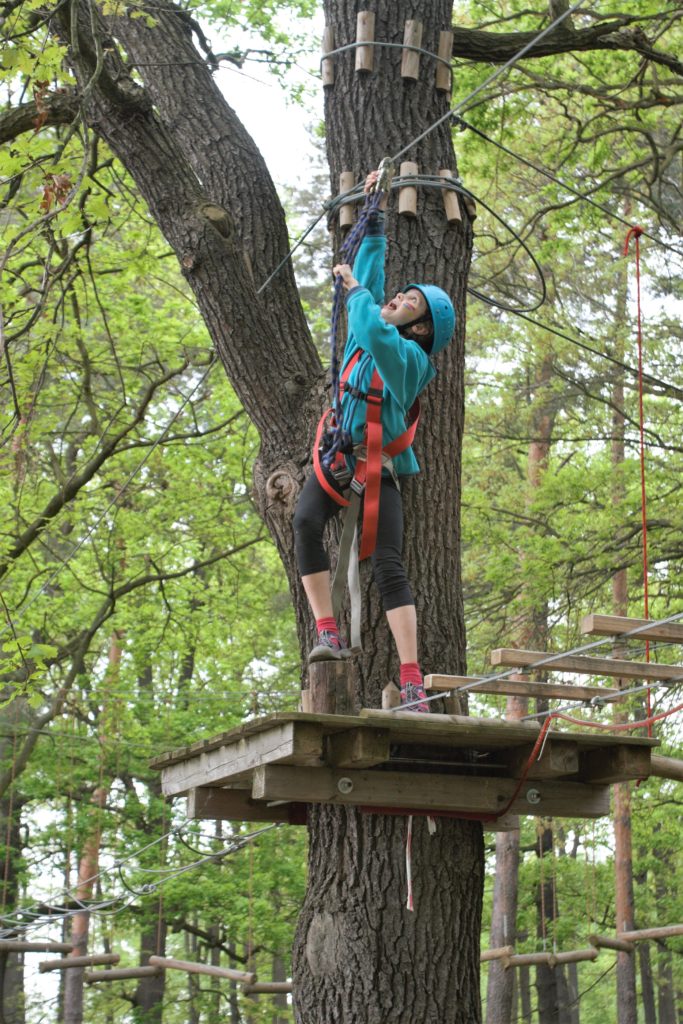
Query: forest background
{"points": [[143, 603]]}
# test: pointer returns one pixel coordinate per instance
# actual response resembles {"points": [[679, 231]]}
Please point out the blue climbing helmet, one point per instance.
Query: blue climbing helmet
{"points": [[442, 313]]}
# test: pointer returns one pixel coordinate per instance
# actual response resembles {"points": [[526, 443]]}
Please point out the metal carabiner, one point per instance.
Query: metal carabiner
{"points": [[385, 175]]}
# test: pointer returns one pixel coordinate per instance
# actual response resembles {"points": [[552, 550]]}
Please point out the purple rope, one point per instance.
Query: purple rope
{"points": [[349, 251]]}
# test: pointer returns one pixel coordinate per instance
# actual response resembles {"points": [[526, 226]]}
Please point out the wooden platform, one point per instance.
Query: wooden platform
{"points": [[269, 768]]}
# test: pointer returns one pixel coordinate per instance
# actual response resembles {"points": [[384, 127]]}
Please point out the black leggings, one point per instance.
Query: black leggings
{"points": [[315, 508]]}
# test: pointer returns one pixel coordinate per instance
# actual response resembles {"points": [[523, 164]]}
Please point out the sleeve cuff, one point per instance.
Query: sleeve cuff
{"points": [[354, 291], [376, 223]]}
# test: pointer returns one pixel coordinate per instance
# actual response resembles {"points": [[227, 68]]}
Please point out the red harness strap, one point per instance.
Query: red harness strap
{"points": [[368, 474]]}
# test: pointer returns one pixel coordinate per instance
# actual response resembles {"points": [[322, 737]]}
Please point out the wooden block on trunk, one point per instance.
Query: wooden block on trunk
{"points": [[614, 764], [450, 200], [346, 182], [444, 76], [557, 759], [410, 63], [332, 688], [217, 804], [467, 794], [365, 33], [358, 748], [327, 69]]}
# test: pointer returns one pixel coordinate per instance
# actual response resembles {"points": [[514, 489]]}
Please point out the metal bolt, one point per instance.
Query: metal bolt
{"points": [[345, 786], [533, 796]]}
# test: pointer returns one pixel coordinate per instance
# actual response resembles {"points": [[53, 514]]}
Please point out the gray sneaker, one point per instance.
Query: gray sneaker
{"points": [[328, 648]]}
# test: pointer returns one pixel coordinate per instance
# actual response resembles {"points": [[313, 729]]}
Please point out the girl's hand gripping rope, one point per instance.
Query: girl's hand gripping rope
{"points": [[343, 270]]}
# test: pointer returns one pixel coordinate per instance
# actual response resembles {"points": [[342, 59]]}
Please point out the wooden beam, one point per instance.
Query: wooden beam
{"points": [[496, 953], [517, 688], [666, 768], [217, 804], [666, 932], [574, 956], [527, 959], [122, 974], [169, 964], [358, 748], [285, 743], [16, 946], [583, 665], [465, 794], [68, 962], [557, 760], [268, 986], [616, 625], [607, 942], [614, 764]]}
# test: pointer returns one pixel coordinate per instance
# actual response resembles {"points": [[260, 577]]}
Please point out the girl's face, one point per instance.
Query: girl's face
{"points": [[404, 308]]}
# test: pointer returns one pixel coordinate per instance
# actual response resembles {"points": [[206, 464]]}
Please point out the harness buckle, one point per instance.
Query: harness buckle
{"points": [[357, 487]]}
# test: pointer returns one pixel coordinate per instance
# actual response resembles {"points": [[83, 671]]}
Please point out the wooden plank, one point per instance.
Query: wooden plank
{"points": [[433, 792], [170, 964], [68, 962], [583, 665], [614, 764], [607, 942], [517, 688], [557, 759], [327, 66], [232, 805], [285, 743], [17, 946], [122, 974], [365, 33], [358, 748], [407, 726], [616, 625], [666, 767], [666, 932]]}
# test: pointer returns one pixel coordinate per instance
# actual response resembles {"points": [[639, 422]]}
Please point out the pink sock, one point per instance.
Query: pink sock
{"points": [[410, 673], [328, 625]]}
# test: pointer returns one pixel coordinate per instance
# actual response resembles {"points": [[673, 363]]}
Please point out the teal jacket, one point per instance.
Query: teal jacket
{"points": [[403, 366]]}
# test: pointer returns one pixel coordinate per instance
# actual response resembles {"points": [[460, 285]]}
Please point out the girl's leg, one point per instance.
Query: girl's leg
{"points": [[397, 596], [314, 509]]}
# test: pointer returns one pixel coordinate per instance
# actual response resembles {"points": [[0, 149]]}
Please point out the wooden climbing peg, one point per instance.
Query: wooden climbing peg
{"points": [[407, 196], [332, 688], [346, 181], [450, 201], [412, 36], [365, 33], [444, 75], [327, 70]]}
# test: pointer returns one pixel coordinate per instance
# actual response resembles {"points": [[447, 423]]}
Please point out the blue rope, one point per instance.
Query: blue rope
{"points": [[349, 251]]}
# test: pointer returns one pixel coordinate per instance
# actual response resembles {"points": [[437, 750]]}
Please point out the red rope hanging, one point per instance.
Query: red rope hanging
{"points": [[636, 232]]}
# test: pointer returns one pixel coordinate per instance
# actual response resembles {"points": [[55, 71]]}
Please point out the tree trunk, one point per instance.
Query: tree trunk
{"points": [[11, 964], [500, 989], [647, 983]]}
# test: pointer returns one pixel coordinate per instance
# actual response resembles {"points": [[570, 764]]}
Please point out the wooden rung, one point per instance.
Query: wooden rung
{"points": [[268, 986], [407, 194], [16, 946], [401, 790], [68, 962], [365, 33], [574, 956], [666, 768], [615, 625], [607, 942], [527, 959], [327, 70], [643, 934], [170, 964], [586, 666], [496, 953], [517, 688], [444, 77], [450, 200], [346, 181], [410, 63], [122, 974]]}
